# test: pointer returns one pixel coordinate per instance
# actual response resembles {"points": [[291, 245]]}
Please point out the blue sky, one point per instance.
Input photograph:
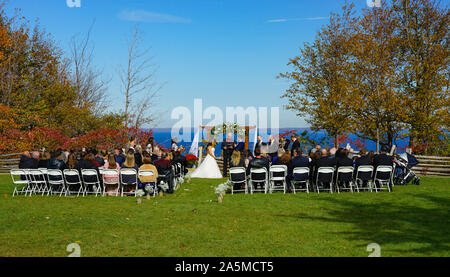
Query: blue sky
{"points": [[226, 52]]}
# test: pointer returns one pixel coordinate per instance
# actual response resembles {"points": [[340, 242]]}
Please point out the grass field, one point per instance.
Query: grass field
{"points": [[411, 221]]}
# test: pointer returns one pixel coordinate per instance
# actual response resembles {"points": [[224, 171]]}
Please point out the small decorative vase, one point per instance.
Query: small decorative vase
{"points": [[161, 194], [148, 197], [220, 199], [139, 200]]}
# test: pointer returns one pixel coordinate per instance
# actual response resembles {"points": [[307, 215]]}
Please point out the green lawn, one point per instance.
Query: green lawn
{"points": [[411, 221]]}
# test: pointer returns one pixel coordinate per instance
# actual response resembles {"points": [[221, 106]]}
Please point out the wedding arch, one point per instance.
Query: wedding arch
{"points": [[213, 132]]}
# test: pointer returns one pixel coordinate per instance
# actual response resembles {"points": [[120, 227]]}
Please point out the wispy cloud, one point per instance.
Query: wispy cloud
{"points": [[147, 16], [296, 19]]}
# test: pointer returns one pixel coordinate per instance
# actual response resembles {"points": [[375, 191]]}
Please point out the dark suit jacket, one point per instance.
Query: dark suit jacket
{"points": [[327, 161], [258, 163], [382, 159], [227, 148], [364, 160], [344, 162], [83, 164], [240, 147], [298, 161], [28, 163]]}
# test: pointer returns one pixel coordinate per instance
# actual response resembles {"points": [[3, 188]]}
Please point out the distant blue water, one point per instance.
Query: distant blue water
{"points": [[163, 136]]}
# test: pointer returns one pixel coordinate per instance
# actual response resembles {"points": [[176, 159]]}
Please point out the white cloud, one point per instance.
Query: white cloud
{"points": [[146, 16], [296, 19]]}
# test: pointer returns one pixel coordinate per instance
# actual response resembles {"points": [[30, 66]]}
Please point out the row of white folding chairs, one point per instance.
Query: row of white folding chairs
{"points": [[364, 174], [34, 181], [270, 182], [273, 183]]}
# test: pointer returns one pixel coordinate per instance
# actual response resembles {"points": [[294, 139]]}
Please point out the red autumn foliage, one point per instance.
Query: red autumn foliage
{"points": [[345, 139], [13, 141]]}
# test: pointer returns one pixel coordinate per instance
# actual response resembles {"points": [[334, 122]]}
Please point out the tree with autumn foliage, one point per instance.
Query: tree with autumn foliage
{"points": [[380, 75], [38, 88], [321, 88], [424, 39]]}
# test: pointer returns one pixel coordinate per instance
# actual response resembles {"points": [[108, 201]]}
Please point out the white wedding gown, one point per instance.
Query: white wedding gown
{"points": [[209, 169]]}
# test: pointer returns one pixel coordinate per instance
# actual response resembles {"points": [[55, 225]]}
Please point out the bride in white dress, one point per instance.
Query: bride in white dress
{"points": [[209, 169]]}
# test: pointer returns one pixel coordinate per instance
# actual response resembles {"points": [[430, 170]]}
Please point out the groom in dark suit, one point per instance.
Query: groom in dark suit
{"points": [[227, 150]]}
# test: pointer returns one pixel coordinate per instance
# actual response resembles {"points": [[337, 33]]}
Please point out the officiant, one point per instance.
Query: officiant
{"points": [[228, 147]]}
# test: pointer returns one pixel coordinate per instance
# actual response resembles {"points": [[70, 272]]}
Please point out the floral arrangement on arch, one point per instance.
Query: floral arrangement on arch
{"points": [[225, 128]]}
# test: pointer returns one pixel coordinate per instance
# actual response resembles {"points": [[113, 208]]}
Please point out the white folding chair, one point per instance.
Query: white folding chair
{"points": [[342, 172], [45, 174], [176, 177], [131, 177], [328, 173], [300, 171], [38, 182], [236, 175], [386, 171], [364, 174], [90, 178], [255, 178], [110, 173], [20, 181], [72, 179], [278, 170], [55, 179], [149, 173]]}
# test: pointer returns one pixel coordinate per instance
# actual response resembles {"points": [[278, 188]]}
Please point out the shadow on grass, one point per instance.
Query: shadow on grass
{"points": [[416, 223]]}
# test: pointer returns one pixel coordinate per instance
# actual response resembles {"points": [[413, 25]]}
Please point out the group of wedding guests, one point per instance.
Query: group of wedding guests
{"points": [[291, 155], [135, 157]]}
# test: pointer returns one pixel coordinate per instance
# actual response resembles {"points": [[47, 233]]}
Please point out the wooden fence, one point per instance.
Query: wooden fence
{"points": [[9, 161], [432, 166]]}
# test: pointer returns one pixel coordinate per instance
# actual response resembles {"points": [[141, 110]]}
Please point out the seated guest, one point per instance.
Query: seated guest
{"points": [[72, 161], [138, 155], [248, 156], [119, 157], [364, 159], [130, 163], [324, 161], [88, 162], [44, 160], [342, 159], [238, 161], [280, 153], [179, 158], [148, 180], [28, 162], [56, 161], [100, 161], [111, 163], [382, 159], [156, 155], [258, 162], [164, 166], [297, 161], [284, 159]]}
